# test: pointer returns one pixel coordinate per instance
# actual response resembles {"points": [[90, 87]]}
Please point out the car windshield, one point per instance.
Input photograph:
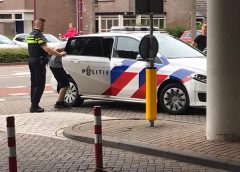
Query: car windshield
{"points": [[51, 38], [5, 40], [170, 47]]}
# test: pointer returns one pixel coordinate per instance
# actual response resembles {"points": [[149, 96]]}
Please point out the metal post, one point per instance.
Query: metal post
{"points": [[151, 62], [151, 23], [98, 137], [151, 95], [151, 84], [12, 160], [35, 9], [193, 19], [80, 17]]}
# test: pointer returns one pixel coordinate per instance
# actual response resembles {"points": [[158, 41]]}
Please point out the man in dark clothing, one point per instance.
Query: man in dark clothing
{"points": [[61, 76], [38, 52], [200, 42]]}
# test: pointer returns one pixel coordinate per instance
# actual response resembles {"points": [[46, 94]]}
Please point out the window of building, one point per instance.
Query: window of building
{"points": [[127, 48], [107, 23], [157, 22], [18, 16], [5, 16], [129, 21]]}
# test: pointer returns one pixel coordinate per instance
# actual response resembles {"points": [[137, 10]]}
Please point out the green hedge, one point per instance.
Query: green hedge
{"points": [[9, 55], [176, 31]]}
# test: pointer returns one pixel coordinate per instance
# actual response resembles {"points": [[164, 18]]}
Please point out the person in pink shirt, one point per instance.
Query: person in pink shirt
{"points": [[72, 31]]}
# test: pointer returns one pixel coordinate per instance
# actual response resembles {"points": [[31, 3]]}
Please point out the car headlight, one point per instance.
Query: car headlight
{"points": [[200, 77]]}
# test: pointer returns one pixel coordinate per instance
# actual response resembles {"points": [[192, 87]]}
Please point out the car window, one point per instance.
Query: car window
{"points": [[189, 34], [5, 40], [173, 48], [90, 46], [107, 47], [127, 48], [20, 38], [50, 38]]}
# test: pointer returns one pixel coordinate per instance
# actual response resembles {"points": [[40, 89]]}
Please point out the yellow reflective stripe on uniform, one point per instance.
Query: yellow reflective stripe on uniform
{"points": [[31, 41], [40, 41]]}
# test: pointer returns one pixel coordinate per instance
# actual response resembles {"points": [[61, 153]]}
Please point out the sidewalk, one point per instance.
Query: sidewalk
{"points": [[42, 147], [169, 139]]}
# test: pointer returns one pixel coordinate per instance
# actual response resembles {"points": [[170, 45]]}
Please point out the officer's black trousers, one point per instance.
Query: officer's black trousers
{"points": [[38, 80]]}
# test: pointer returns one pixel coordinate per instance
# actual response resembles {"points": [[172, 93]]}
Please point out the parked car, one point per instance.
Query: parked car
{"points": [[5, 42], [108, 66], [21, 39], [186, 36]]}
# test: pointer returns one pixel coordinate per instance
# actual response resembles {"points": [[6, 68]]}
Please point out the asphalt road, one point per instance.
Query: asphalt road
{"points": [[15, 88], [15, 80]]}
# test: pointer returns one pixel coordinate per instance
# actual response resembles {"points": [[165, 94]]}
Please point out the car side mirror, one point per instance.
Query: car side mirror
{"points": [[139, 58]]}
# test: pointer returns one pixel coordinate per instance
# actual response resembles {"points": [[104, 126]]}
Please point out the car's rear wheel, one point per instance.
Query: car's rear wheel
{"points": [[174, 98], [72, 97]]}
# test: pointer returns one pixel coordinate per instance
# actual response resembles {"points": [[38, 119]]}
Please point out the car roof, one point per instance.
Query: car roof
{"points": [[136, 35], [29, 34]]}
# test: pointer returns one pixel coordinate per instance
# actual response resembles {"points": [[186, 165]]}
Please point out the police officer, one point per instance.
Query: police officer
{"points": [[39, 53]]}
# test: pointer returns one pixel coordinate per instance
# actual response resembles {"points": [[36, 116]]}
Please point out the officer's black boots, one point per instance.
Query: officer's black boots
{"points": [[36, 109], [61, 105]]}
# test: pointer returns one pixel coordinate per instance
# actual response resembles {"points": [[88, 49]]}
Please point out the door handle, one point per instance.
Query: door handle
{"points": [[74, 61]]}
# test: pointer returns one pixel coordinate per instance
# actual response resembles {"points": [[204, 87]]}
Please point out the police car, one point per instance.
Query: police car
{"points": [[107, 66]]}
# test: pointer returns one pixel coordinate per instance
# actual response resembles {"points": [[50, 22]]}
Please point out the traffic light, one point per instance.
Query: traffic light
{"points": [[147, 6]]}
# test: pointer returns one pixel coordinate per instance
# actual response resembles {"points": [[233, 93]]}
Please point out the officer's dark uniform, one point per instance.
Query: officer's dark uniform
{"points": [[37, 65]]}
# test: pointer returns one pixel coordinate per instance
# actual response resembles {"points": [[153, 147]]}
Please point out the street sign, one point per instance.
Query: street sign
{"points": [[147, 6], [148, 47]]}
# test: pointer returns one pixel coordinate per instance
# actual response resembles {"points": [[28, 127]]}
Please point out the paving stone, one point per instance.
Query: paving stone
{"points": [[129, 161], [41, 145]]}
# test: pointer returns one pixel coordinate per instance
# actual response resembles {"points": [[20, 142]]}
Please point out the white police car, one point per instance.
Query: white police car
{"points": [[108, 66]]}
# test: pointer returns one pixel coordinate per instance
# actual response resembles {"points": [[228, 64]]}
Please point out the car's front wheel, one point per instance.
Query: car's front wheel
{"points": [[72, 97], [174, 98]]}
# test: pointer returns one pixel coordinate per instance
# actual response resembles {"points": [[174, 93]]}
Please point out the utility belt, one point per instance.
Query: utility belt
{"points": [[42, 59]]}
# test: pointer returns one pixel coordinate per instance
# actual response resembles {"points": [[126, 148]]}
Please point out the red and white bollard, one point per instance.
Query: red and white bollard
{"points": [[12, 160], [98, 137]]}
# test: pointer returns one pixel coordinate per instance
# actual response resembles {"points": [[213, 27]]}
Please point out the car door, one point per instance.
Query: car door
{"points": [[88, 63], [127, 73]]}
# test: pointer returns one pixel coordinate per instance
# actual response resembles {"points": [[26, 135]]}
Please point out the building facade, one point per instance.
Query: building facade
{"points": [[123, 13], [201, 11], [15, 16], [91, 16], [59, 15]]}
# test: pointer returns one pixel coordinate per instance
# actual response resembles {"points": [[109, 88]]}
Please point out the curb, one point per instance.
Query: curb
{"points": [[164, 152], [13, 64]]}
